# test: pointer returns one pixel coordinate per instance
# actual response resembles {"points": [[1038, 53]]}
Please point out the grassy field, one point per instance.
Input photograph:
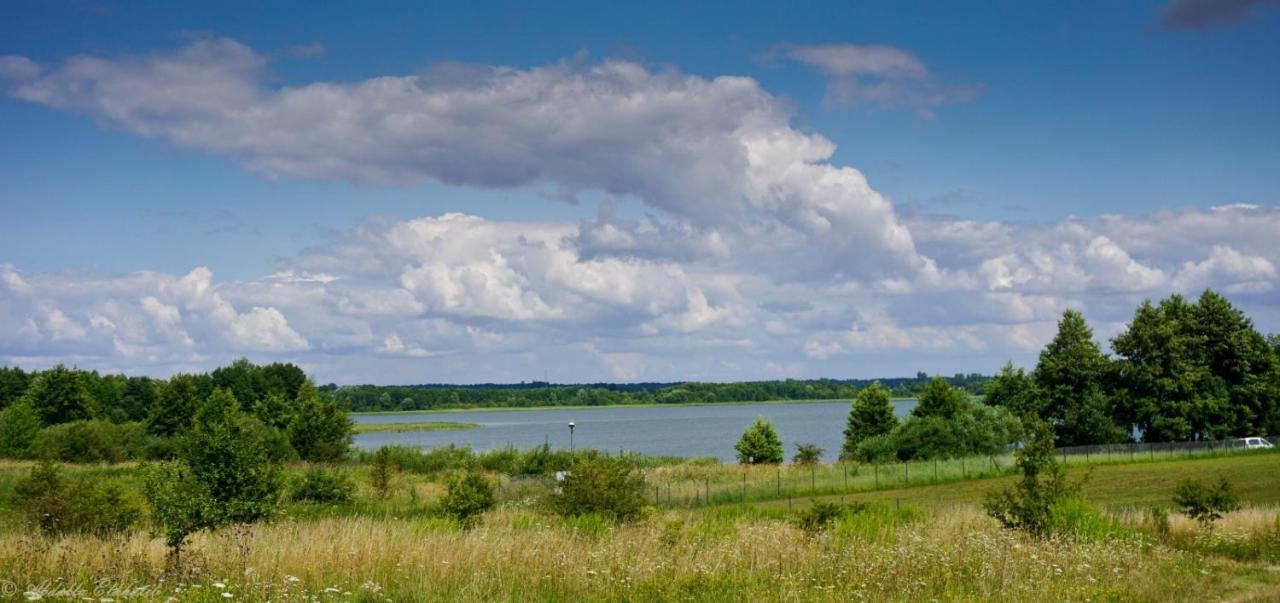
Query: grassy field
{"points": [[925, 541], [407, 427]]}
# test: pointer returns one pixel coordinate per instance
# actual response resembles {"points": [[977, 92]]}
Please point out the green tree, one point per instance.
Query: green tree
{"points": [[1014, 389], [467, 497], [19, 428], [181, 505], [940, 400], [1070, 377], [13, 383], [870, 415], [174, 406], [275, 411], [1028, 504], [760, 444], [1206, 504], [229, 458], [59, 395], [319, 431]]}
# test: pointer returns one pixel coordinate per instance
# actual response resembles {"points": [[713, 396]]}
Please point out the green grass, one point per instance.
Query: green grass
{"points": [[400, 427], [1255, 477]]}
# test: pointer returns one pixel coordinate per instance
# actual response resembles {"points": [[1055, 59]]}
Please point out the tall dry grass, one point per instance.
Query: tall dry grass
{"points": [[521, 555]]}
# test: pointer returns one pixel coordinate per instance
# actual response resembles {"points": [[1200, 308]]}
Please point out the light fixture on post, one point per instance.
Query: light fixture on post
{"points": [[571, 426]]}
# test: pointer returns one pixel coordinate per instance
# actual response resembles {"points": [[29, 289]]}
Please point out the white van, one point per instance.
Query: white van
{"points": [[1252, 443]]}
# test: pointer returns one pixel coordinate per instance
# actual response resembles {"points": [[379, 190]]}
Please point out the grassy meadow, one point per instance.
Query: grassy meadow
{"points": [[916, 541]]}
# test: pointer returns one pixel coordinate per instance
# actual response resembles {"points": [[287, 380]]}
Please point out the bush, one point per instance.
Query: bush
{"points": [[760, 444], [469, 495], [98, 507], [819, 515], [877, 449], [323, 486], [91, 442], [19, 427], [1028, 505], [1206, 504], [807, 454], [228, 454], [600, 484]]}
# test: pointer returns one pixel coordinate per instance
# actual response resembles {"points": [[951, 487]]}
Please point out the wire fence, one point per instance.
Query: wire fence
{"points": [[1151, 450], [693, 486]]}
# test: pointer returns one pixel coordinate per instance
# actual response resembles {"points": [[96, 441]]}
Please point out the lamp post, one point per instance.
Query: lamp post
{"points": [[571, 426]]}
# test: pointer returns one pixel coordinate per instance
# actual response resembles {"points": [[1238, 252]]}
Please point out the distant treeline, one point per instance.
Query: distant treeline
{"points": [[364, 398]]}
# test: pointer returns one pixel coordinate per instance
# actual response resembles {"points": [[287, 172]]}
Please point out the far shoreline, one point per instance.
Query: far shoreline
{"points": [[592, 406]]}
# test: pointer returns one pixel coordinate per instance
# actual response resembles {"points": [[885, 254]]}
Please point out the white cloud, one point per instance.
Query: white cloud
{"points": [[717, 153]]}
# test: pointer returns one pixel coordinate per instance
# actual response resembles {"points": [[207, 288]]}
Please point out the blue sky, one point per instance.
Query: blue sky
{"points": [[1025, 157]]}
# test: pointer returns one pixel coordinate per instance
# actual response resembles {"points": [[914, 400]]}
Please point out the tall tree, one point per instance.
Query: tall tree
{"points": [[1014, 389], [1070, 377], [871, 414], [319, 430], [13, 383], [940, 400], [173, 408], [59, 395]]}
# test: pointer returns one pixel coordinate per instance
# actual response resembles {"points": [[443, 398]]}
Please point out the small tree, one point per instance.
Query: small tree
{"points": [[870, 415], [807, 454], [1028, 504], [59, 395], [1206, 504], [468, 496], [601, 485], [760, 444], [180, 505], [319, 431], [227, 455]]}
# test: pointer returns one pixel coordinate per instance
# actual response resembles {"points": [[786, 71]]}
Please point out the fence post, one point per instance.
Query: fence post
{"points": [[845, 468]]}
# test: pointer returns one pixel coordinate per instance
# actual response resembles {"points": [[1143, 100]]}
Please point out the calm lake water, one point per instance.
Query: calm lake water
{"points": [[656, 430]]}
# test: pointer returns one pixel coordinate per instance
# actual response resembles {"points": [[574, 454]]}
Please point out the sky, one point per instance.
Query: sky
{"points": [[595, 191]]}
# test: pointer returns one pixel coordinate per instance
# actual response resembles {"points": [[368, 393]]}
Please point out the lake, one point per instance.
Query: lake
{"points": [[709, 430]]}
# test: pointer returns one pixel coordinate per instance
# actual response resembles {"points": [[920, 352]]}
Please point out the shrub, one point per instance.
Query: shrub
{"points": [[875, 449], [91, 506], [469, 495], [19, 427], [323, 486], [807, 454], [819, 516], [1028, 504], [600, 484], [91, 442], [1206, 504], [1158, 521], [760, 444]]}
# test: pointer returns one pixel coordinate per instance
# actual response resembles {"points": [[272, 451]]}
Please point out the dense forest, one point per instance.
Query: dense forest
{"points": [[424, 397]]}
